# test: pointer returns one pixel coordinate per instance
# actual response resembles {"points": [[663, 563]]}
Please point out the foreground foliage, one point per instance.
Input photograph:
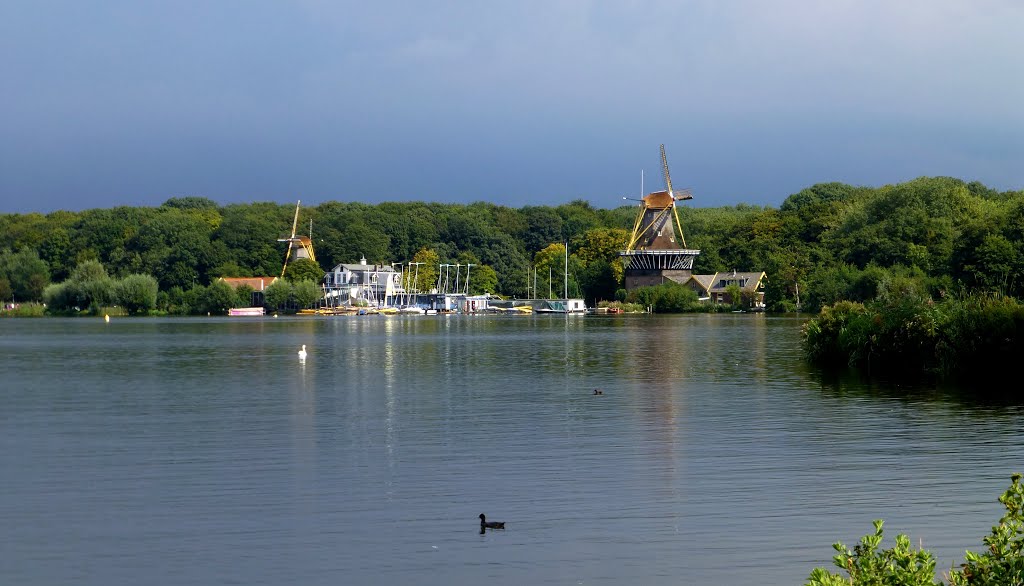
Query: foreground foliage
{"points": [[1002, 564]]}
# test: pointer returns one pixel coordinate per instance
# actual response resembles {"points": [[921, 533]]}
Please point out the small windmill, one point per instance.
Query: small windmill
{"points": [[298, 246], [653, 228]]}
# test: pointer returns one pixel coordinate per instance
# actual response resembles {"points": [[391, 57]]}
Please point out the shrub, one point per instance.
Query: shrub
{"points": [[907, 332], [668, 297], [136, 293], [867, 566], [1002, 564]]}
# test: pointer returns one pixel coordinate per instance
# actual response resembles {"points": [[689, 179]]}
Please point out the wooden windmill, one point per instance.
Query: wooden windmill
{"points": [[298, 246], [657, 250]]}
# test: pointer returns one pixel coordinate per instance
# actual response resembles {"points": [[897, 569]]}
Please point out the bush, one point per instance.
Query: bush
{"points": [[306, 293], [668, 297], [136, 293], [900, 565], [278, 294], [1002, 564], [905, 331], [218, 298], [243, 296]]}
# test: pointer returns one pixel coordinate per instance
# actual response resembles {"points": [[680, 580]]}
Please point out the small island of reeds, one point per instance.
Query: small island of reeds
{"points": [[904, 332]]}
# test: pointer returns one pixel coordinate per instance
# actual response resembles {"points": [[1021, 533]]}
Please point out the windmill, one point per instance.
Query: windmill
{"points": [[653, 228], [298, 246], [652, 254]]}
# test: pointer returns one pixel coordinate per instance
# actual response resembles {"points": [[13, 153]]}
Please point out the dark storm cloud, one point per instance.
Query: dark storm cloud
{"points": [[110, 103]]}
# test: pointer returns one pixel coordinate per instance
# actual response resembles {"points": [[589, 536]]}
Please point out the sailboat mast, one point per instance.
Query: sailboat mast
{"points": [[567, 270]]}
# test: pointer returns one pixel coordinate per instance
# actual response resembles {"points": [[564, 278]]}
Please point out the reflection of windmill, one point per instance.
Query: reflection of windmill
{"points": [[298, 246], [652, 254]]}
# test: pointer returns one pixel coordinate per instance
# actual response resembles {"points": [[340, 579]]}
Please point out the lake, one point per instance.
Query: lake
{"points": [[201, 451]]}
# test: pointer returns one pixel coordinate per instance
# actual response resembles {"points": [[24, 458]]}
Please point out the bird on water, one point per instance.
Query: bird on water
{"points": [[302, 353], [485, 524]]}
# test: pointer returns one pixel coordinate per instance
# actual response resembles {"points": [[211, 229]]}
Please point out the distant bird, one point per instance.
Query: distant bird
{"points": [[598, 392], [302, 353], [485, 524]]}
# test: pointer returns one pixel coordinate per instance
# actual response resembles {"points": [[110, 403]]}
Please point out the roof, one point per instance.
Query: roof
{"points": [[659, 200], [257, 283], [361, 268], [714, 283], [705, 281]]}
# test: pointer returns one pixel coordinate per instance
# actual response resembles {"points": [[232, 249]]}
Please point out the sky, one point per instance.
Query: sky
{"points": [[524, 102]]}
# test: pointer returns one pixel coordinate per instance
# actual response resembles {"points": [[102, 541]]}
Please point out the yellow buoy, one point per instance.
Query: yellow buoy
{"points": [[106, 318]]}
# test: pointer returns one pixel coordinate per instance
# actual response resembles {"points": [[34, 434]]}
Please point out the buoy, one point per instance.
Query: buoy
{"points": [[106, 318], [302, 353]]}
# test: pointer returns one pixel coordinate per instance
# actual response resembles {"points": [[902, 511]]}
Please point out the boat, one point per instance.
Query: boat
{"points": [[246, 311]]}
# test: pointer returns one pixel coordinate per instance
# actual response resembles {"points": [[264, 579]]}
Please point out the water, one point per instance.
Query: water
{"points": [[200, 451]]}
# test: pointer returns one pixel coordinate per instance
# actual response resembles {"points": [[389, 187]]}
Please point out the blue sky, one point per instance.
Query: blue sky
{"points": [[527, 102]]}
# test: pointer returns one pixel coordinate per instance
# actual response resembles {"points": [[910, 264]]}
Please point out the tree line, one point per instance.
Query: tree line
{"points": [[826, 243]]}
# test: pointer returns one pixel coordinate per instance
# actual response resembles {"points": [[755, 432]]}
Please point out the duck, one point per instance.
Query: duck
{"points": [[598, 392], [302, 353], [485, 524]]}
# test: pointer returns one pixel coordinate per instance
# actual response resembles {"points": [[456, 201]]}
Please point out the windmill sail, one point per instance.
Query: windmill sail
{"points": [[298, 246]]}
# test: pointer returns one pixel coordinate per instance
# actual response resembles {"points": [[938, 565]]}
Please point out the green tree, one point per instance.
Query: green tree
{"points": [[243, 296], [136, 293], [304, 269], [56, 249], [249, 234], [482, 279], [306, 293], [425, 273], [89, 287], [551, 262], [735, 295], [229, 269], [218, 298], [278, 294], [544, 226], [26, 274], [598, 280], [190, 203]]}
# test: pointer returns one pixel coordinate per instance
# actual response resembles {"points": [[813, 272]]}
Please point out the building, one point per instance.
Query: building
{"points": [[718, 288], [258, 285], [656, 251], [357, 284]]}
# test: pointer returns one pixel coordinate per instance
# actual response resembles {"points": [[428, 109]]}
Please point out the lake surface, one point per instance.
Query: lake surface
{"points": [[201, 451]]}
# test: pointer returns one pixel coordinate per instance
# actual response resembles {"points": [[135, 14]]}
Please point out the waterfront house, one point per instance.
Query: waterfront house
{"points": [[375, 284], [258, 284], [716, 288]]}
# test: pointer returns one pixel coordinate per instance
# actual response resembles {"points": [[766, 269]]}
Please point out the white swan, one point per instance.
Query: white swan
{"points": [[302, 353]]}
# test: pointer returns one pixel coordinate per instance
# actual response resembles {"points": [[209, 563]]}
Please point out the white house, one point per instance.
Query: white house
{"points": [[378, 285]]}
